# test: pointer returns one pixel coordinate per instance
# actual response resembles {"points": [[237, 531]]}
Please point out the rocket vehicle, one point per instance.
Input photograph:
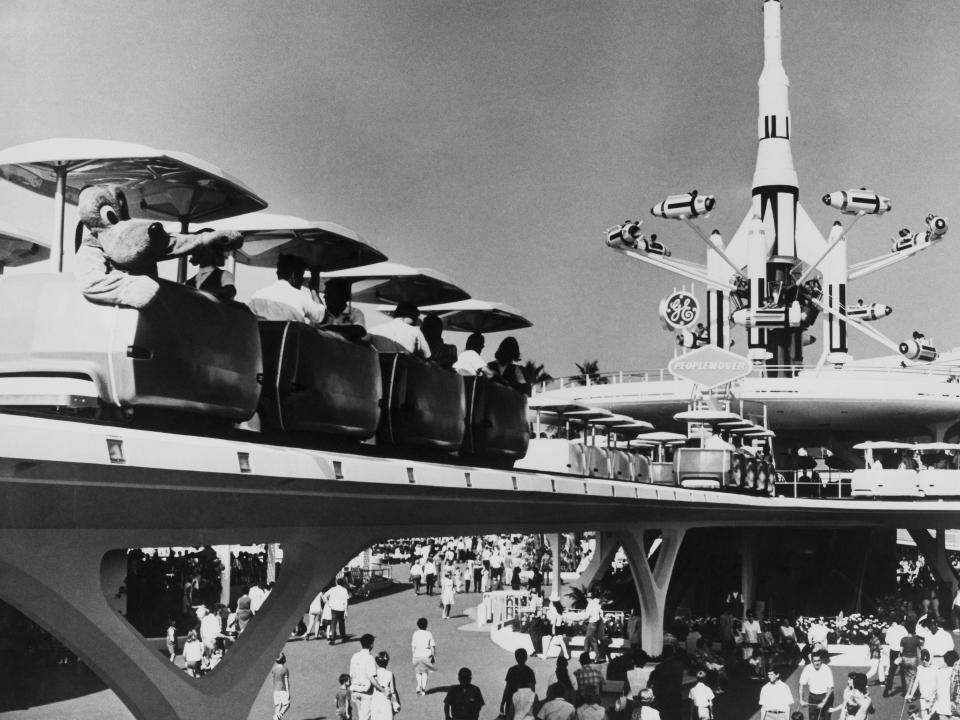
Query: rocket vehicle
{"points": [[684, 206], [919, 348], [790, 316], [867, 313], [629, 234], [905, 240], [856, 202]]}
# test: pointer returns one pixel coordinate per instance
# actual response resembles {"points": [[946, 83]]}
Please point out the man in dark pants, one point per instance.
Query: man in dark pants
{"points": [[895, 633]]}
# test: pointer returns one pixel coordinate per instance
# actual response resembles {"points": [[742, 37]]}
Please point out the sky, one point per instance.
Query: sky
{"points": [[496, 141]]}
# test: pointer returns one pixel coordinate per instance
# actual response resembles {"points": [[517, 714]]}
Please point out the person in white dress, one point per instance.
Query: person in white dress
{"points": [[447, 593], [424, 651], [385, 701]]}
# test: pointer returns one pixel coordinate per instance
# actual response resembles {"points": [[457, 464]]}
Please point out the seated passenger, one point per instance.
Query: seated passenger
{"points": [[403, 330], [443, 354], [283, 300], [505, 367], [470, 363], [210, 277], [336, 295]]}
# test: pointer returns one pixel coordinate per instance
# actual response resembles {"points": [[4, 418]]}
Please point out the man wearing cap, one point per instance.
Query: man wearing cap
{"points": [[283, 300], [404, 330], [363, 678]]}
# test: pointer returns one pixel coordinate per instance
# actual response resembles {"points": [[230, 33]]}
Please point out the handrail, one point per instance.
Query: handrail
{"points": [[771, 372]]}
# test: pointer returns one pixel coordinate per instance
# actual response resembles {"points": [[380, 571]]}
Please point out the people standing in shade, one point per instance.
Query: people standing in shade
{"points": [[385, 702], [463, 700], [595, 636], [817, 678], [171, 640], [496, 569], [892, 637], [447, 594], [280, 677], [751, 633], [363, 678], [477, 569], [193, 654], [337, 599], [590, 707], [211, 277], [518, 676], [701, 698], [556, 706], [775, 696], [423, 649], [588, 675], [505, 367]]}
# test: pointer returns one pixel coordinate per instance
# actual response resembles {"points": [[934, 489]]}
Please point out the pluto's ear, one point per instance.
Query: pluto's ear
{"points": [[78, 236]]}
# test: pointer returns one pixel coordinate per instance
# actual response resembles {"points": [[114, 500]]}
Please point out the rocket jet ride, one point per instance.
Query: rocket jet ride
{"points": [[778, 272]]}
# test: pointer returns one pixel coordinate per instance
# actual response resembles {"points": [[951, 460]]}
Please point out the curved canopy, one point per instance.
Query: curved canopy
{"points": [[160, 184], [632, 425], [389, 282], [20, 247], [883, 445], [662, 437], [708, 416], [321, 244], [555, 406], [478, 316], [760, 432]]}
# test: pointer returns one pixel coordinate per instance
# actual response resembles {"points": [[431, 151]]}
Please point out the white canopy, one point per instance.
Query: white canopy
{"points": [[390, 282], [478, 316], [884, 445], [706, 415]]}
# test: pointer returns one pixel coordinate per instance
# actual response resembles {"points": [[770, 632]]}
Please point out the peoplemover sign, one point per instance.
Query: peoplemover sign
{"points": [[710, 367]]}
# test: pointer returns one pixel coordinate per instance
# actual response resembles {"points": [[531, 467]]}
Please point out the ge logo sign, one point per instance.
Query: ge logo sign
{"points": [[679, 310]]}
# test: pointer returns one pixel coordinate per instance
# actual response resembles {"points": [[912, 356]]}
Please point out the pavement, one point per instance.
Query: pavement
{"points": [[73, 693]]}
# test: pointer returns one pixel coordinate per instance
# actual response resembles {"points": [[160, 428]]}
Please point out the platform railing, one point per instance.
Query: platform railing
{"points": [[618, 377], [828, 484]]}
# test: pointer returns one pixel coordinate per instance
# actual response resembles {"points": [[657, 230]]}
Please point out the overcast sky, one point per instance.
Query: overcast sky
{"points": [[495, 141]]}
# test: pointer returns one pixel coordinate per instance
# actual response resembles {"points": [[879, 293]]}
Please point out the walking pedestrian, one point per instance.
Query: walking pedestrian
{"points": [[463, 700], [337, 599], [280, 676], [385, 701], [423, 648], [363, 678], [447, 593], [817, 678]]}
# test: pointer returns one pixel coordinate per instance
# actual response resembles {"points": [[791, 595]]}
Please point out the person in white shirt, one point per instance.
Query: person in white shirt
{"points": [[283, 300], [424, 651], [895, 633], [337, 598], [701, 697], [404, 331], [469, 362], [363, 678], [775, 696], [258, 595], [941, 704], [939, 642], [817, 678]]}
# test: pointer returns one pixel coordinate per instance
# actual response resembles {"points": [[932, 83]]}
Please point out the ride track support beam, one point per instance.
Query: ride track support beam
{"points": [[651, 582], [62, 586], [933, 548], [603, 554]]}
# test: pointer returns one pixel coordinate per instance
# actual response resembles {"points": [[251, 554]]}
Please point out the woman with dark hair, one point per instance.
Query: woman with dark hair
{"points": [[909, 655], [385, 701], [856, 699], [504, 366], [424, 650]]}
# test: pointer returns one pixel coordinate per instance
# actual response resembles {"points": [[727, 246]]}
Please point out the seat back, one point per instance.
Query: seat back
{"points": [[496, 421], [317, 381], [187, 351], [423, 405]]}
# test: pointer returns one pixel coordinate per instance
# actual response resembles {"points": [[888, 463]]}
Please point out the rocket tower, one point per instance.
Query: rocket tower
{"points": [[784, 272]]}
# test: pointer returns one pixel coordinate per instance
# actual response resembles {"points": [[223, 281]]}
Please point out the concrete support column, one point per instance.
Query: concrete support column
{"points": [[606, 547], [60, 580], [554, 540], [748, 567], [651, 583], [223, 555]]}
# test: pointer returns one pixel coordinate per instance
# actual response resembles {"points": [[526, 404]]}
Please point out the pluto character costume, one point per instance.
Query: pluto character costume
{"points": [[116, 261]]}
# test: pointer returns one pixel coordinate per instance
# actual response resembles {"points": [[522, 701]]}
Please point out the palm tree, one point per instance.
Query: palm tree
{"points": [[535, 374], [590, 373]]}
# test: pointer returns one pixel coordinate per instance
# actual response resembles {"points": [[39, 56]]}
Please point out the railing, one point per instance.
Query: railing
{"points": [[802, 484], [949, 374]]}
